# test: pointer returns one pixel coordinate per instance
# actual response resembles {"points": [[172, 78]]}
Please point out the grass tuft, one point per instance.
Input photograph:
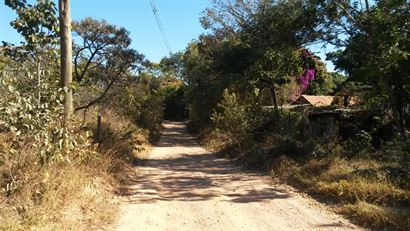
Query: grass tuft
{"points": [[376, 216]]}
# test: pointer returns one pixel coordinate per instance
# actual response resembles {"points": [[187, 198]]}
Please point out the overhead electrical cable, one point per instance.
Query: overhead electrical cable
{"points": [[155, 32], [160, 26]]}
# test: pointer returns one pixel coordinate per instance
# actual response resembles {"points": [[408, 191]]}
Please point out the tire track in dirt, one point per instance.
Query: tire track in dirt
{"points": [[184, 187]]}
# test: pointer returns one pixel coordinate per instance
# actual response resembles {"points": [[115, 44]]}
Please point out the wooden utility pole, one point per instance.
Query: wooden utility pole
{"points": [[66, 57]]}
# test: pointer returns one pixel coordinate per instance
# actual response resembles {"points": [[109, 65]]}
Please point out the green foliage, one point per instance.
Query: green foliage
{"points": [[233, 118], [325, 83], [175, 107], [38, 24], [28, 117], [233, 121], [45, 165], [204, 91], [376, 54], [102, 60], [251, 45], [173, 89], [141, 101], [172, 66]]}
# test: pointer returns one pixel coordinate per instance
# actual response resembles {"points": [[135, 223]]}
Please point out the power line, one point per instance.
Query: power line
{"points": [[161, 28], [155, 32]]}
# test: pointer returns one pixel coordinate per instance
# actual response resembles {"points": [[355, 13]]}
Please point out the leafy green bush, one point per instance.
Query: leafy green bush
{"points": [[141, 101], [233, 116], [35, 118], [232, 120]]}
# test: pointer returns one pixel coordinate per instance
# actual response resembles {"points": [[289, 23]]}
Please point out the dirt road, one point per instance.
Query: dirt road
{"points": [[184, 187]]}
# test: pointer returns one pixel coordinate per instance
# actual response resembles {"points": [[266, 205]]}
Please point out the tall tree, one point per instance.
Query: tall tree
{"points": [[102, 60], [66, 56], [375, 52], [276, 34]]}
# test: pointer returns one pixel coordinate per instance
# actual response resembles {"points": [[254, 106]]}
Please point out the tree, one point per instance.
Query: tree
{"points": [[276, 35], [173, 65], [97, 38], [252, 46], [66, 57], [102, 59], [38, 24], [227, 17], [376, 52]]}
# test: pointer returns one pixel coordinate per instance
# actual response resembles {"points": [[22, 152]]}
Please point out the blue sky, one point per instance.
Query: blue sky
{"points": [[180, 19]]}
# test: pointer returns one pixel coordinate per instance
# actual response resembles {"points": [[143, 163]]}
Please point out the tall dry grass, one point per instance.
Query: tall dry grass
{"points": [[78, 193], [358, 188]]}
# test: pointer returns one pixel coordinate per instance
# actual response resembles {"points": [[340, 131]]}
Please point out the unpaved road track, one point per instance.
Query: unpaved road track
{"points": [[184, 187]]}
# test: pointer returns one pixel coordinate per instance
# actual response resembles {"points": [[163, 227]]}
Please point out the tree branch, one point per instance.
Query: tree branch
{"points": [[99, 98]]}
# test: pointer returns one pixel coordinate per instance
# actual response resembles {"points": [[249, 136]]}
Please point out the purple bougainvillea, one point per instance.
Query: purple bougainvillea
{"points": [[309, 74], [306, 78]]}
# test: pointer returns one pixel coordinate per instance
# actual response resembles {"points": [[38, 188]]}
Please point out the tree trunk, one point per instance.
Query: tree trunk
{"points": [[275, 101], [367, 5], [98, 133], [66, 57], [39, 82], [398, 101]]}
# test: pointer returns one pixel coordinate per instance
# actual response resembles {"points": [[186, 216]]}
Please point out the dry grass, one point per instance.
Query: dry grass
{"points": [[45, 194], [372, 198], [75, 195], [372, 193], [376, 216]]}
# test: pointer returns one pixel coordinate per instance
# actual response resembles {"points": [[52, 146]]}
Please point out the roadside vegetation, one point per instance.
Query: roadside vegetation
{"points": [[252, 88], [58, 174], [246, 84]]}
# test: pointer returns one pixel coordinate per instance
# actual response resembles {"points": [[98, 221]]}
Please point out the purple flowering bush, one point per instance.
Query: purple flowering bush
{"points": [[309, 74], [306, 78]]}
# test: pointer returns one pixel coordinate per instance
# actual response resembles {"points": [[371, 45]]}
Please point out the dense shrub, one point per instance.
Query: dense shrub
{"points": [[53, 176]]}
